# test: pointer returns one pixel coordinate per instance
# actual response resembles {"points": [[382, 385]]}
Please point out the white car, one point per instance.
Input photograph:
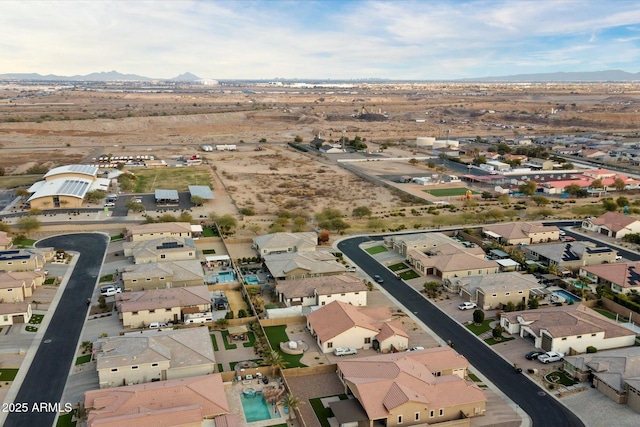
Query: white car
{"points": [[417, 348], [467, 306], [109, 291], [344, 351], [550, 356], [109, 204]]}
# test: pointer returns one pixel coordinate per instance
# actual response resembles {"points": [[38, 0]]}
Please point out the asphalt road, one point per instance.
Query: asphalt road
{"points": [[543, 409], [47, 376]]}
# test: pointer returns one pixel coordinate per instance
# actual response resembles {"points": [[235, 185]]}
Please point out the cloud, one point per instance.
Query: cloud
{"points": [[307, 39]]}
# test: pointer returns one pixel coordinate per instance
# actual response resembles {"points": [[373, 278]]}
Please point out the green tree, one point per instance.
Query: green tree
{"points": [[255, 228], [4, 226], [298, 139], [540, 200], [510, 306], [478, 317], [134, 205], [431, 164], [497, 332], [609, 205], [567, 166], [487, 195], [275, 360], [572, 189], [596, 183], [185, 217], [503, 149], [528, 188], [619, 184], [95, 195], [622, 201], [361, 211], [432, 289], [533, 303], [292, 402], [22, 192], [299, 223], [27, 224], [226, 224], [197, 200]]}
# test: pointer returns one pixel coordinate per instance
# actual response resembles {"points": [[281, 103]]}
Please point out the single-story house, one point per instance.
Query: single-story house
{"points": [[621, 277], [21, 260], [18, 285], [160, 250], [277, 243], [612, 224], [12, 313], [570, 255], [521, 233], [6, 242], [571, 327], [339, 324], [312, 291], [426, 387], [449, 262], [423, 242], [496, 290], [297, 265], [156, 275]]}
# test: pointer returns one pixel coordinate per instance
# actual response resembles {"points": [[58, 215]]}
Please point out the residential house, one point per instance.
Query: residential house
{"points": [[277, 243], [158, 230], [173, 403], [159, 250], [297, 265], [621, 277], [17, 285], [570, 255], [156, 275], [424, 387], [526, 233], [423, 242], [615, 373], [154, 356], [496, 290], [339, 324], [567, 328], [14, 312], [449, 261], [6, 242], [612, 224], [21, 260], [312, 291], [140, 309]]}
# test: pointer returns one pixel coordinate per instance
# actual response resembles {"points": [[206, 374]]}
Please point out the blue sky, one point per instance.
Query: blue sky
{"points": [[410, 40]]}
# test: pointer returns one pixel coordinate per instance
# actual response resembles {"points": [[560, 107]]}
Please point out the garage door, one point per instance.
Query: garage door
{"points": [[546, 342]]}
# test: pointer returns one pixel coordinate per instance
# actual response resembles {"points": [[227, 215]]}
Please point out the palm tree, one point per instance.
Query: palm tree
{"points": [[292, 402], [275, 360]]}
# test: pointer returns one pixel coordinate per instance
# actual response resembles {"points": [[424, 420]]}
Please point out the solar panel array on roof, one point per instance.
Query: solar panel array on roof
{"points": [[74, 187], [13, 256], [634, 277], [170, 245], [598, 250], [568, 254]]}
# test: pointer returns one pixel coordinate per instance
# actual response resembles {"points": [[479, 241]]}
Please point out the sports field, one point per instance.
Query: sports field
{"points": [[444, 192]]}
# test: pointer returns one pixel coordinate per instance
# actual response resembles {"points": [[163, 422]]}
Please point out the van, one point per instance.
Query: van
{"points": [[157, 325]]}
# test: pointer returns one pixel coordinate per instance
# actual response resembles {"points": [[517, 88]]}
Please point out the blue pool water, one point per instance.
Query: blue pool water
{"points": [[567, 295], [256, 409], [224, 277], [251, 280]]}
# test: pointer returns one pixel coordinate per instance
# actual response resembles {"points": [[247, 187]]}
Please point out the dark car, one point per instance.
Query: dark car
{"points": [[378, 279], [532, 355]]}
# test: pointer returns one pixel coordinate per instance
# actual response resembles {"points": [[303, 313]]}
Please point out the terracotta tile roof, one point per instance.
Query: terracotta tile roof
{"points": [[391, 329], [337, 317], [5, 240], [178, 271], [160, 404], [14, 307], [614, 221], [625, 274], [325, 285], [160, 227], [313, 262], [159, 246], [569, 320], [519, 230], [276, 241], [385, 382], [163, 298]]}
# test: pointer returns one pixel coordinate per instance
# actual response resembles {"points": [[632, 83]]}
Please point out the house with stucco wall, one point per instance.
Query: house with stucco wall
{"points": [[312, 291], [525, 233], [160, 250], [450, 261], [278, 243], [621, 277], [158, 230], [612, 224]]}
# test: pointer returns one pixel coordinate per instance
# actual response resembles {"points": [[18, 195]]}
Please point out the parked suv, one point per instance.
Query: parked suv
{"points": [[467, 306], [550, 356], [110, 290], [344, 351]]}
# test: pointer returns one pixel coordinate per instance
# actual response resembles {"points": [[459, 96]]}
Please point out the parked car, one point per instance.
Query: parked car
{"points": [[156, 325], [417, 348], [109, 204], [344, 351], [533, 354], [378, 279], [110, 290], [468, 306], [562, 233], [550, 356]]}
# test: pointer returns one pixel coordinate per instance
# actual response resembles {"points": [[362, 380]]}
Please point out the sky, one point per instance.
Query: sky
{"points": [[398, 40]]}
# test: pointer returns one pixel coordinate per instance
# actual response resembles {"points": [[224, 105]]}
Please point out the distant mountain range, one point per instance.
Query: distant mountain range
{"points": [[578, 76], [98, 77]]}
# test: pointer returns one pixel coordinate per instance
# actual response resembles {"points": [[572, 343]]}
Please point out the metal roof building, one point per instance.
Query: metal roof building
{"points": [[167, 196], [201, 191]]}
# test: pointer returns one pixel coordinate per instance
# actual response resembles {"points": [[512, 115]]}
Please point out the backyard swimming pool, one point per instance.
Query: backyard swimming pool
{"points": [[251, 280], [567, 295], [256, 409], [223, 277]]}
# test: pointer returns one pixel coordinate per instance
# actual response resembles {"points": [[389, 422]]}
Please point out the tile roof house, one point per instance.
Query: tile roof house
{"points": [[14, 312], [18, 285], [297, 265], [621, 277], [340, 324], [449, 261], [521, 233], [172, 403], [312, 291], [423, 242], [571, 327], [156, 275], [159, 250], [570, 255], [139, 309], [154, 356], [615, 373], [612, 224], [158, 230], [21, 260], [494, 291], [276, 243], [6, 242], [408, 388]]}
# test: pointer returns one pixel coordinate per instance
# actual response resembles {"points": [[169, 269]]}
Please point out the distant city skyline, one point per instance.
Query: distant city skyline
{"points": [[397, 40]]}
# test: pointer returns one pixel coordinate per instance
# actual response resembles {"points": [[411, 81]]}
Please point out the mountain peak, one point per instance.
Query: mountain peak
{"points": [[186, 77]]}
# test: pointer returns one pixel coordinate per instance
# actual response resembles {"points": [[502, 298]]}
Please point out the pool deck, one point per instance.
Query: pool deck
{"points": [[234, 390]]}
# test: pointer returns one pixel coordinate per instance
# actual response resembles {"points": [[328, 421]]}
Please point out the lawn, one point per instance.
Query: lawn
{"points": [[474, 378], [252, 340], [278, 334], [408, 275], [14, 181], [208, 251], [23, 243], [492, 341], [608, 314], [66, 420], [214, 341], [444, 192], [50, 281], [225, 341], [7, 374], [148, 180], [220, 367], [376, 250], [210, 232], [480, 329], [399, 266], [116, 238], [31, 329], [560, 378], [106, 278], [321, 412], [83, 359], [36, 319]]}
